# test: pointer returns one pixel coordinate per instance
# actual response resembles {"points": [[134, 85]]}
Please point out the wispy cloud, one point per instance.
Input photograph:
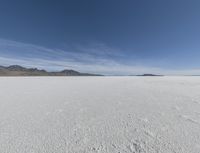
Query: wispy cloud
{"points": [[95, 58]]}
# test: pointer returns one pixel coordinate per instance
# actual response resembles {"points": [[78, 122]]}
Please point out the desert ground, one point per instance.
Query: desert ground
{"points": [[100, 114]]}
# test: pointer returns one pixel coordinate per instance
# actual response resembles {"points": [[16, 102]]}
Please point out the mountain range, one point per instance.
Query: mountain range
{"points": [[17, 70]]}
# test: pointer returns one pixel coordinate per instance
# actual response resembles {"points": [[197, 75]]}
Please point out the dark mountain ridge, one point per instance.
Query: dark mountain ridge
{"points": [[17, 70]]}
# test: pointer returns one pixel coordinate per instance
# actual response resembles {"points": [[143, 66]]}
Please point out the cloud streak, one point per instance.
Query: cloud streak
{"points": [[96, 58]]}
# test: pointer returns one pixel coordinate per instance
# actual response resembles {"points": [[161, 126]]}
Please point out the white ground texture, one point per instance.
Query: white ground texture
{"points": [[100, 114]]}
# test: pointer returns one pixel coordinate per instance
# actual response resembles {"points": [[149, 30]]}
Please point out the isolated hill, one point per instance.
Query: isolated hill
{"points": [[149, 75], [17, 70]]}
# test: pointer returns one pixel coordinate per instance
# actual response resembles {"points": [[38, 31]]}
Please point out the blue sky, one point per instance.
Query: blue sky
{"points": [[107, 36]]}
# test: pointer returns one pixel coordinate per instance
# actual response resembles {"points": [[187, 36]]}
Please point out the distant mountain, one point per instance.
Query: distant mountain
{"points": [[149, 75], [16, 70]]}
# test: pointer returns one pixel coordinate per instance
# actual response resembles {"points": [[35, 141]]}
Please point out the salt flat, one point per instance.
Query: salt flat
{"points": [[100, 114]]}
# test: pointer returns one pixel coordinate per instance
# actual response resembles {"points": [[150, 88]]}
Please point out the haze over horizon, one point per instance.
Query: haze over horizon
{"points": [[104, 37]]}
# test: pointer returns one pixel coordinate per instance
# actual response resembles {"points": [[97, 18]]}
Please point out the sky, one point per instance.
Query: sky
{"points": [[111, 37]]}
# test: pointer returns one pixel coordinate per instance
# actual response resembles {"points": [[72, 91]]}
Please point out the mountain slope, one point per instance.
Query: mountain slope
{"points": [[16, 70]]}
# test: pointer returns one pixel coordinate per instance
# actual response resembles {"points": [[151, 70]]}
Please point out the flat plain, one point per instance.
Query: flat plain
{"points": [[100, 114]]}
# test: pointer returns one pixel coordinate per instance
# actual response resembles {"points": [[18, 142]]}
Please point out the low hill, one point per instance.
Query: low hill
{"points": [[149, 75]]}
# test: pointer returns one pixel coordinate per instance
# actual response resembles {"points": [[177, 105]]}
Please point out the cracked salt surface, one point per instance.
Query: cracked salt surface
{"points": [[99, 115]]}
